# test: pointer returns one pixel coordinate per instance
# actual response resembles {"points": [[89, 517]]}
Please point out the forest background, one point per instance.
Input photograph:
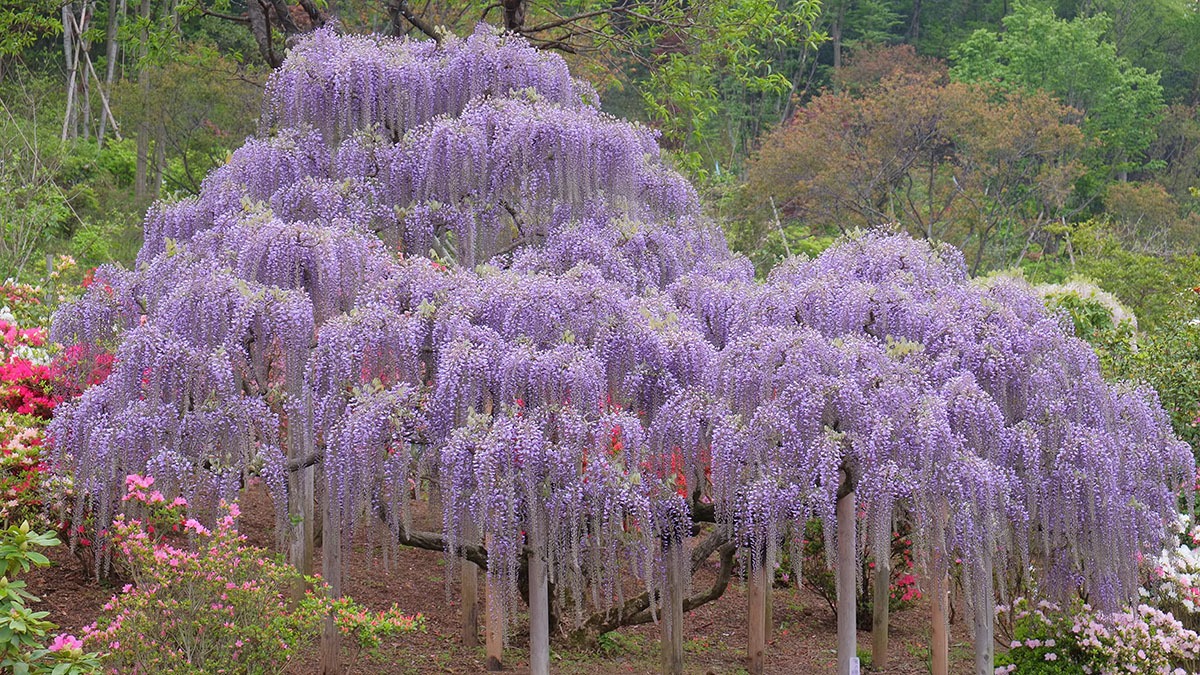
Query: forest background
{"points": [[1058, 140]]}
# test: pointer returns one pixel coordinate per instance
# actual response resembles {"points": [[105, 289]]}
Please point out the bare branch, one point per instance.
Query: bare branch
{"points": [[241, 18], [401, 8], [562, 21], [637, 610]]}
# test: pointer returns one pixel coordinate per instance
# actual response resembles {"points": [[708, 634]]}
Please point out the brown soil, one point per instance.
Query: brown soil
{"points": [[803, 641]]}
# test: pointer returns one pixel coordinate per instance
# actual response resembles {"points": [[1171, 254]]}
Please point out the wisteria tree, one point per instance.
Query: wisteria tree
{"points": [[441, 264], [967, 406]]}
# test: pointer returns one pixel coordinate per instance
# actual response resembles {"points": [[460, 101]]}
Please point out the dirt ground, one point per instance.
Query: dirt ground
{"points": [[803, 640]]}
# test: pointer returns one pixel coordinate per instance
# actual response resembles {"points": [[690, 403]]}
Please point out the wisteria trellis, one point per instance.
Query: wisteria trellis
{"points": [[444, 261]]}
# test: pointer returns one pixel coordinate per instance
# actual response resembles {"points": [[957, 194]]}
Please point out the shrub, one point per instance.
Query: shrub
{"points": [[818, 576], [1046, 640], [22, 630], [223, 607]]}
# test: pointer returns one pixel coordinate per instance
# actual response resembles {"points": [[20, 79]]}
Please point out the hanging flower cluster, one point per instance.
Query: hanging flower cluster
{"points": [[445, 261]]}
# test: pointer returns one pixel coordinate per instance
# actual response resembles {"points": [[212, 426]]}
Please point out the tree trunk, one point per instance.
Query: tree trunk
{"points": [[847, 582], [672, 612], [514, 14], [115, 12], [914, 26], [756, 601], [71, 59], [835, 34], [879, 616], [985, 618], [82, 49], [160, 159], [140, 187], [331, 569], [260, 28]]}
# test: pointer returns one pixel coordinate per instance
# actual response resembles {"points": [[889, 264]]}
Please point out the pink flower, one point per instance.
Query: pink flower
{"points": [[65, 642], [133, 481], [193, 524]]}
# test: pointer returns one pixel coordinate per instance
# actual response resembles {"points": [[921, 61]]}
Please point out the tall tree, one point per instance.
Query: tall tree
{"points": [[1074, 61], [947, 161], [580, 362]]}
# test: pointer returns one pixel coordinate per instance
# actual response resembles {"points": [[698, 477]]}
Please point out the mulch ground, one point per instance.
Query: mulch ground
{"points": [[803, 641]]}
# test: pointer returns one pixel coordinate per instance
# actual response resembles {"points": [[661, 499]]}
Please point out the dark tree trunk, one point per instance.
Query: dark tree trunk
{"points": [[914, 25], [260, 28], [514, 14]]}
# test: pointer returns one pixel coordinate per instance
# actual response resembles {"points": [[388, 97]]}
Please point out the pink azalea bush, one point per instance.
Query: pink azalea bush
{"points": [[36, 376], [1046, 640], [219, 606]]}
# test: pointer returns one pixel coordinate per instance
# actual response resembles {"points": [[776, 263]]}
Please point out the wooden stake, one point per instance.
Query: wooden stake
{"points": [[672, 613], [847, 583], [879, 614], [756, 599]]}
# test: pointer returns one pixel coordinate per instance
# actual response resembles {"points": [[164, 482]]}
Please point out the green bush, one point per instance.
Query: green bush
{"points": [[23, 631], [224, 607]]}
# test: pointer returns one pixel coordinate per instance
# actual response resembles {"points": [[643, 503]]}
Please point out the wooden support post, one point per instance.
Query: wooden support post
{"points": [[331, 569], [301, 489], [769, 621], [301, 503], [470, 593], [879, 614], [985, 619], [939, 643], [847, 582], [470, 604], [539, 610], [672, 612], [494, 617], [756, 600]]}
